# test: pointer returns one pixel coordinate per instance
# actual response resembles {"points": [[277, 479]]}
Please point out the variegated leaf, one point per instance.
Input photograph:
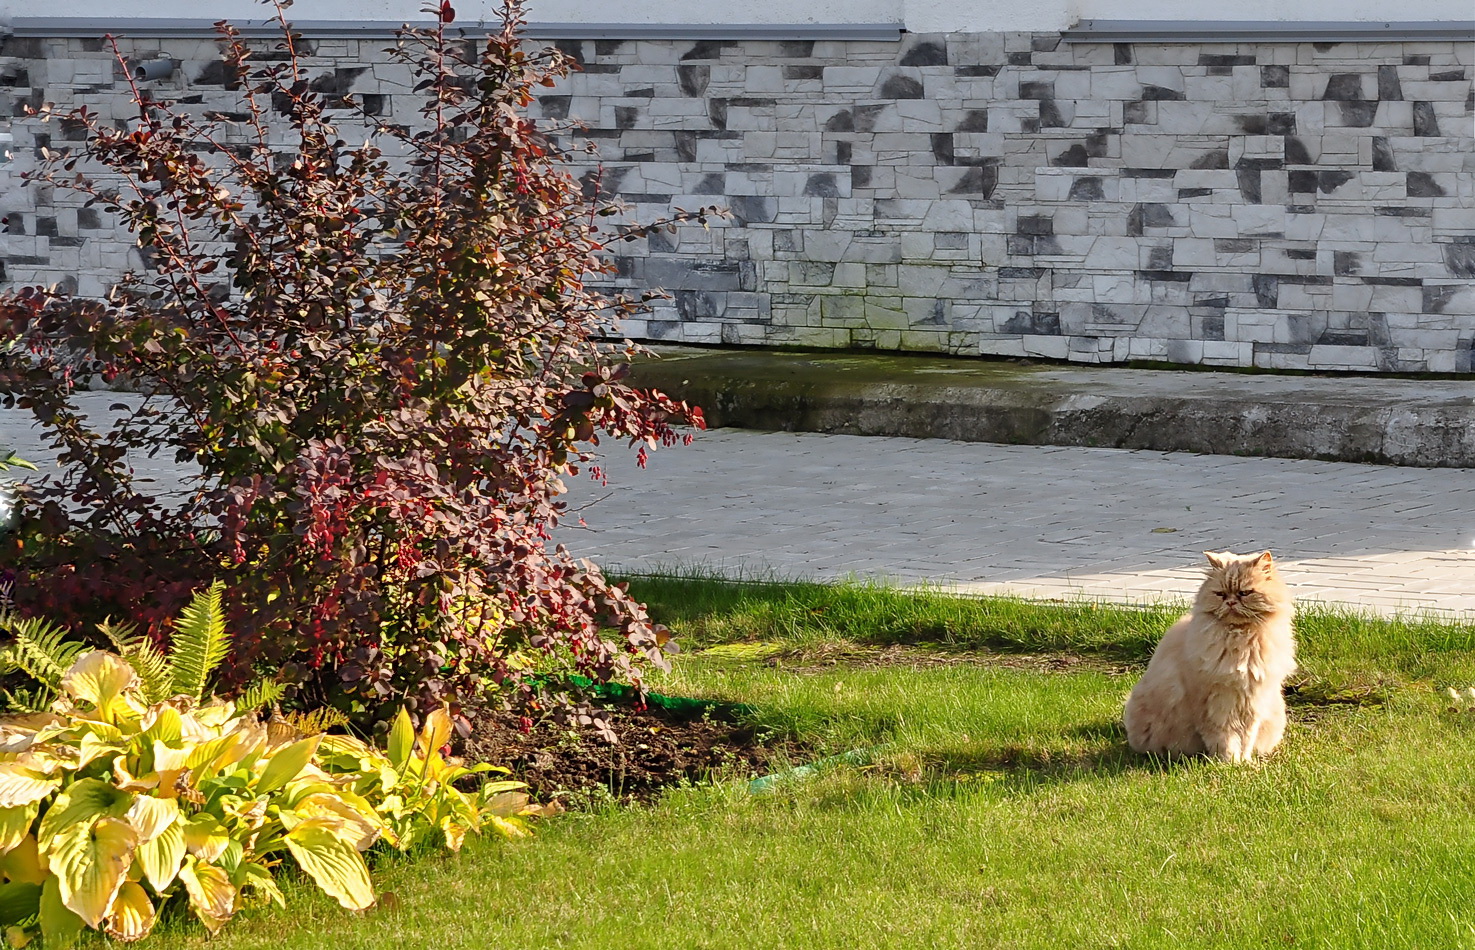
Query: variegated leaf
{"points": [[15, 824], [132, 914], [90, 862], [324, 851], [161, 857], [211, 894]]}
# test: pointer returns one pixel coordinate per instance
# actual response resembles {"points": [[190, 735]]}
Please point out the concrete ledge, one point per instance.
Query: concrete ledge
{"points": [[1418, 422]]}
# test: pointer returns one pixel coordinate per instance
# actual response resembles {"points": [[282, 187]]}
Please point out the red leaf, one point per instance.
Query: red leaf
{"points": [[447, 14]]}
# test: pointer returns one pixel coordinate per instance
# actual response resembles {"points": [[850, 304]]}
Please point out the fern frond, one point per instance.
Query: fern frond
{"points": [[152, 666], [37, 699], [258, 695], [199, 643], [40, 649], [319, 720]]}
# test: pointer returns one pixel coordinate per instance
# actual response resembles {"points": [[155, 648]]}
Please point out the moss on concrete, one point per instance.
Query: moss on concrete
{"points": [[1422, 422]]}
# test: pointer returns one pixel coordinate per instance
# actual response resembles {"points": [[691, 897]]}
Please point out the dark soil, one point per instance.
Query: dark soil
{"points": [[656, 749]]}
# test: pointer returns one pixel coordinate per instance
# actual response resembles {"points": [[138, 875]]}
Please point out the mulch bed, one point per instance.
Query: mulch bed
{"points": [[657, 748]]}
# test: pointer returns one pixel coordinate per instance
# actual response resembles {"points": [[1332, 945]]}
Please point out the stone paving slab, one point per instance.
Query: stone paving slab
{"points": [[1036, 521]]}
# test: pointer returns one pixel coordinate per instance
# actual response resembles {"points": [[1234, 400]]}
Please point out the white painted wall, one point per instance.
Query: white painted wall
{"points": [[715, 11], [543, 11], [919, 16], [947, 16], [236, 10], [1335, 11]]}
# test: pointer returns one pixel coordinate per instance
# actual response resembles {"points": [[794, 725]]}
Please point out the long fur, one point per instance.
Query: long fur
{"points": [[1214, 683]]}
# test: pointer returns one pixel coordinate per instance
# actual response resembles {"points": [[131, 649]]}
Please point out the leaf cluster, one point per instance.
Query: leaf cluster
{"points": [[111, 806]]}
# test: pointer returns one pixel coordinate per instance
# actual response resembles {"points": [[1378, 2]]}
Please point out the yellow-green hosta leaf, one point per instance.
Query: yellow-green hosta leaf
{"points": [[101, 679], [231, 857], [82, 802], [361, 825], [94, 746], [504, 803], [510, 827], [90, 863], [205, 837], [347, 754], [132, 914], [323, 848], [59, 926], [22, 863], [125, 780], [455, 831], [19, 900], [23, 784], [286, 764], [192, 732], [164, 723], [15, 824], [358, 749], [217, 713], [150, 816], [253, 745], [436, 732], [263, 886], [170, 766], [247, 811], [161, 857], [205, 759], [211, 894], [401, 739]]}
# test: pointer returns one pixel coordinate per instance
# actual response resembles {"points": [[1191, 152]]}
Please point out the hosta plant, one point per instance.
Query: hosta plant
{"points": [[111, 806]]}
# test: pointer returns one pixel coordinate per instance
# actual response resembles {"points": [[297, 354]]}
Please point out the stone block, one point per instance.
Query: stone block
{"points": [[1342, 357], [1262, 198], [991, 345]]}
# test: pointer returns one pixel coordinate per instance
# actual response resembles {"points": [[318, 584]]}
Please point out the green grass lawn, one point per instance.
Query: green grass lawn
{"points": [[997, 805]]}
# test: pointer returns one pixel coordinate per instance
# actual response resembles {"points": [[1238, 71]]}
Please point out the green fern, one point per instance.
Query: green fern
{"points": [[258, 695], [44, 651], [41, 650], [319, 720], [153, 668], [35, 699], [199, 643]]}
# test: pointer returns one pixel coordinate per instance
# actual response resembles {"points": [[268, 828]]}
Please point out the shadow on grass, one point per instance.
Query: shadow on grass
{"points": [[1099, 750], [1103, 754], [704, 610]]}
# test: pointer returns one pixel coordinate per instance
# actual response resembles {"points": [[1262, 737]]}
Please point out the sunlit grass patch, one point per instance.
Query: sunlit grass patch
{"points": [[995, 803]]}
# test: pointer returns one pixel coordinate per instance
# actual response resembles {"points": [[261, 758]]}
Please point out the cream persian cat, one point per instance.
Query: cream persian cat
{"points": [[1214, 681]]}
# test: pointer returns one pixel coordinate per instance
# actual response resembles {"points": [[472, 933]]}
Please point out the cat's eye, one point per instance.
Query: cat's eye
{"points": [[1220, 593], [1245, 593]]}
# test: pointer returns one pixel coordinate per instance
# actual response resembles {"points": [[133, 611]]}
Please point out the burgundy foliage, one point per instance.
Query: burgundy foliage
{"points": [[383, 359]]}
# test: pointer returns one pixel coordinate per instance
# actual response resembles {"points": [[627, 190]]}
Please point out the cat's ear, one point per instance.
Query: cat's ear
{"points": [[1263, 561], [1216, 560]]}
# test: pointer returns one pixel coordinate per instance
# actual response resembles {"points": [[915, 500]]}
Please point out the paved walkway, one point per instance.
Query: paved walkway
{"points": [[1038, 521]]}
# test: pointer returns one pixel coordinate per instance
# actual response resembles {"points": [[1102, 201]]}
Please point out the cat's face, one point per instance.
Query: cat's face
{"points": [[1241, 588]]}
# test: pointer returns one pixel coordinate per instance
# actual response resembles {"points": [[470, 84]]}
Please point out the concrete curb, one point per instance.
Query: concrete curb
{"points": [[1418, 422]]}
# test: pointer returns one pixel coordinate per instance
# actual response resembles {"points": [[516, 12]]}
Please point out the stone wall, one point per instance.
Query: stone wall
{"points": [[1283, 205], [1276, 205]]}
